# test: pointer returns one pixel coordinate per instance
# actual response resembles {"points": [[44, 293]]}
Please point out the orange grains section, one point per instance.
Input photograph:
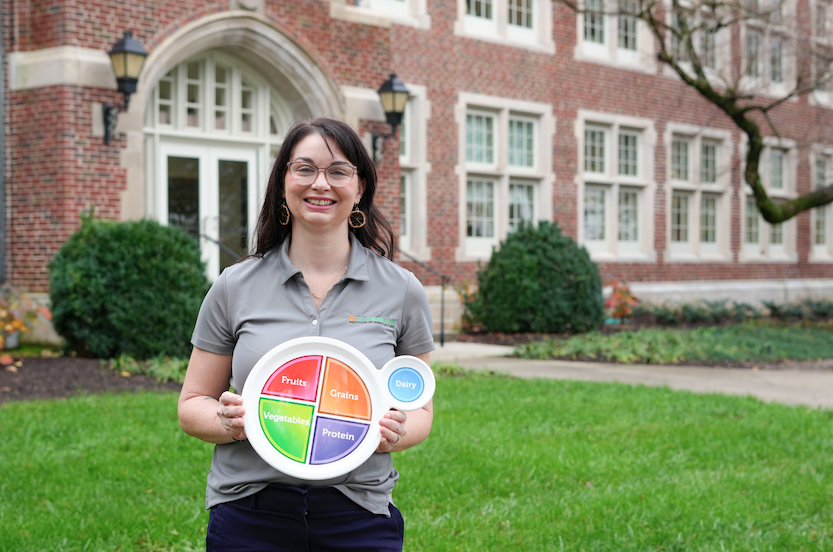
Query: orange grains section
{"points": [[344, 393]]}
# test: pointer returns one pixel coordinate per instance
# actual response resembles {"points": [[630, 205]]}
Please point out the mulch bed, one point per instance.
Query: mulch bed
{"points": [[513, 339], [58, 377]]}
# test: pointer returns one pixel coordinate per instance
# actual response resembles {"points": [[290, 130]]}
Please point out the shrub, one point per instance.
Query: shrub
{"points": [[131, 288], [539, 281]]}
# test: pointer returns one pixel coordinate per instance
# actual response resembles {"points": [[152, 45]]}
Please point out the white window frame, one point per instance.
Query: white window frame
{"points": [[414, 165], [784, 30], [382, 13], [642, 59], [722, 72], [611, 248], [763, 250], [694, 249], [498, 29], [541, 175], [268, 107], [822, 42], [821, 253]]}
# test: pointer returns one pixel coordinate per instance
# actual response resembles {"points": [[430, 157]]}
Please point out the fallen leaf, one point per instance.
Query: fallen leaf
{"points": [[125, 374], [19, 363], [46, 353], [6, 359], [12, 369], [5, 389]]}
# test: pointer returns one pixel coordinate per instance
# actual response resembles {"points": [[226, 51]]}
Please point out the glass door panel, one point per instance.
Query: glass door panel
{"points": [[184, 194], [210, 192], [234, 210]]}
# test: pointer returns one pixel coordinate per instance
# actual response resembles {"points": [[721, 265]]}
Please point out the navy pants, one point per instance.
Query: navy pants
{"points": [[301, 519]]}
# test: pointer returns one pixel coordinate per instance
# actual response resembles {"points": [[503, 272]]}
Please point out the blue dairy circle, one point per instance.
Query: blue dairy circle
{"points": [[406, 385]]}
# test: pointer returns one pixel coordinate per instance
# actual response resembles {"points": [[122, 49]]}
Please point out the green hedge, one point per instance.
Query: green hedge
{"points": [[130, 288], [539, 281]]}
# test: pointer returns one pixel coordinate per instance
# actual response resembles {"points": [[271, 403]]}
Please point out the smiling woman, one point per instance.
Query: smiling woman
{"points": [[314, 273]]}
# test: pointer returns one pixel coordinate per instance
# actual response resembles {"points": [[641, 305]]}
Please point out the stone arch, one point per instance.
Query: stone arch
{"points": [[303, 85], [301, 82]]}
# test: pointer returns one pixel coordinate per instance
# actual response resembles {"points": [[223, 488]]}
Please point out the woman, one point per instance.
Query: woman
{"points": [[313, 273]]}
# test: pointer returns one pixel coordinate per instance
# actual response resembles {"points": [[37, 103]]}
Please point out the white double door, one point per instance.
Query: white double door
{"points": [[210, 191]]}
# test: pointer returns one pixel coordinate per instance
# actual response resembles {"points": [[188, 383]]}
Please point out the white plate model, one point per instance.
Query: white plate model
{"points": [[313, 404]]}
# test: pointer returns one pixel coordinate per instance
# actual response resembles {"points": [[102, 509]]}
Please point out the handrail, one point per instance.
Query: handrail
{"points": [[237, 256], [443, 281]]}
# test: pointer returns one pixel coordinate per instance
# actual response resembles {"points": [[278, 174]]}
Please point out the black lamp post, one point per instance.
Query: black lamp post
{"points": [[394, 96], [127, 57]]}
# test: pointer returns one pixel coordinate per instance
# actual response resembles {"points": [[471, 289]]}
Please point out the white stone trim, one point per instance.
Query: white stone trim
{"points": [[500, 173], [61, 66], [742, 291]]}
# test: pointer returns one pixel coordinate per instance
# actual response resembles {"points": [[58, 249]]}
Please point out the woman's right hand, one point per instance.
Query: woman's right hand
{"points": [[231, 413]]}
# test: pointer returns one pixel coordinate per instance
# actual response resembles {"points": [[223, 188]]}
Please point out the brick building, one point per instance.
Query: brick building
{"points": [[520, 110]]}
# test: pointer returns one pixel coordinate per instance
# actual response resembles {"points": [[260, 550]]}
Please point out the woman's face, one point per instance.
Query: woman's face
{"points": [[319, 206]]}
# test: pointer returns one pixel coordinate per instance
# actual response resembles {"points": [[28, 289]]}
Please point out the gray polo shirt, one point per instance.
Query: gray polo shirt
{"points": [[377, 307]]}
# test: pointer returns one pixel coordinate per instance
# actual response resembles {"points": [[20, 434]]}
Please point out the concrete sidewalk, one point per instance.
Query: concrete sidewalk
{"points": [[795, 387]]}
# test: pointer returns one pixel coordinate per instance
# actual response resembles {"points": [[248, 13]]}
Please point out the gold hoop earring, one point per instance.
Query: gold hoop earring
{"points": [[284, 215], [355, 216]]}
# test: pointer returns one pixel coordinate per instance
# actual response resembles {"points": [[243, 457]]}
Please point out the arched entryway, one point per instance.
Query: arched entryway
{"points": [[223, 95]]}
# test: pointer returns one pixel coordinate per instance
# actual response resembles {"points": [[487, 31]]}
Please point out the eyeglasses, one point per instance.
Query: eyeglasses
{"points": [[305, 174]]}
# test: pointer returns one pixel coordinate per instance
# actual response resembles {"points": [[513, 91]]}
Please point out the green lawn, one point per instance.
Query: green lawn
{"points": [[753, 341], [511, 465]]}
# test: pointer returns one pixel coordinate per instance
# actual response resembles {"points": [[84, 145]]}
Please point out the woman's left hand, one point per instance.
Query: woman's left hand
{"points": [[393, 430]]}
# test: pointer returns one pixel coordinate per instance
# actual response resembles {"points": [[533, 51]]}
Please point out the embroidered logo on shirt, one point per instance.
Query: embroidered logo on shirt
{"points": [[373, 320]]}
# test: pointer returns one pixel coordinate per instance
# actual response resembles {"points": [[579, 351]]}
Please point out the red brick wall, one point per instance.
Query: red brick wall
{"points": [[55, 168], [457, 64]]}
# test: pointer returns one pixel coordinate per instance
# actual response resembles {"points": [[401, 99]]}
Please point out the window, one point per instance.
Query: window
{"points": [[506, 152], [776, 168], [618, 39], [520, 13], [617, 188], [767, 49], [822, 40], [480, 138], [521, 142], [764, 241], [413, 13], [679, 159], [699, 204], [594, 22], [821, 162], [679, 217], [404, 206], [212, 95], [414, 170], [521, 23], [627, 31], [521, 205], [209, 125], [480, 208], [710, 38]]}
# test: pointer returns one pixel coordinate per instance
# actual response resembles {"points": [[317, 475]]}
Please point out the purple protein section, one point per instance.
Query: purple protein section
{"points": [[335, 439]]}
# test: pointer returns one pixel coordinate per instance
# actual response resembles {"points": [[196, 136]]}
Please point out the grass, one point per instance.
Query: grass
{"points": [[740, 343], [511, 464]]}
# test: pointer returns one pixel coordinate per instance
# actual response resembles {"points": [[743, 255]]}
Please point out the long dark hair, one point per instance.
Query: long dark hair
{"points": [[377, 234]]}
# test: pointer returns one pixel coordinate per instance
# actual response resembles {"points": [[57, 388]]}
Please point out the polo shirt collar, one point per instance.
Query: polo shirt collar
{"points": [[356, 265]]}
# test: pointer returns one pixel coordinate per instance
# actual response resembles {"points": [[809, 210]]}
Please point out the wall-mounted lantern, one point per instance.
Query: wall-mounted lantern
{"points": [[394, 96], [127, 57]]}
